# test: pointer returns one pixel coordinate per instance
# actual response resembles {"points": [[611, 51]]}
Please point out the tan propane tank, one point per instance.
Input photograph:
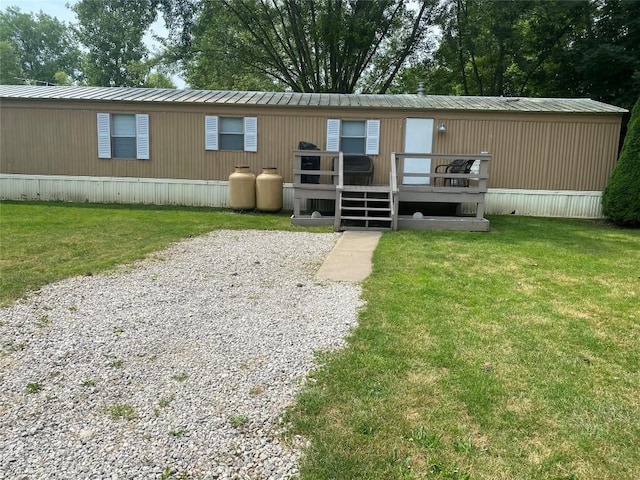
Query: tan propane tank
{"points": [[242, 189], [269, 190]]}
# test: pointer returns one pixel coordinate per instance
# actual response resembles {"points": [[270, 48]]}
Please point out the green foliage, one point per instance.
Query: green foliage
{"points": [[34, 387], [158, 80], [493, 47], [601, 61], [238, 420], [121, 411], [307, 46], [10, 69], [43, 44], [113, 33], [62, 78], [211, 65], [621, 198], [534, 48]]}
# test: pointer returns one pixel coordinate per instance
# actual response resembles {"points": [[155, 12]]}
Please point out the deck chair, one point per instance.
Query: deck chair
{"points": [[357, 169], [459, 165]]}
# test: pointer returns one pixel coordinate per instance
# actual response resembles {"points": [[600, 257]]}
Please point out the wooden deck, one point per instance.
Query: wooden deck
{"points": [[404, 203]]}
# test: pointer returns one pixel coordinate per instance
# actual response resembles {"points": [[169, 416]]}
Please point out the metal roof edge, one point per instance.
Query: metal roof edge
{"points": [[311, 100]]}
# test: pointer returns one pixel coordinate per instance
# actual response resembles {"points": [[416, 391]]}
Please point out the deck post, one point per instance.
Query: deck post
{"points": [[337, 220]]}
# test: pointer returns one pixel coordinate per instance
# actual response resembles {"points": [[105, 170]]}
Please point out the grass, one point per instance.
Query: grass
{"points": [[180, 377], [121, 411], [34, 387], [507, 355], [238, 420], [44, 242]]}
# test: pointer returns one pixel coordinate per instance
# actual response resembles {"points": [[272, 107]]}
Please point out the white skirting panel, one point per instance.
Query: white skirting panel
{"points": [[212, 193], [544, 203], [156, 191]]}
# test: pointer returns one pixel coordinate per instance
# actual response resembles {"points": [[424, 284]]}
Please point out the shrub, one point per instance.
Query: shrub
{"points": [[621, 198]]}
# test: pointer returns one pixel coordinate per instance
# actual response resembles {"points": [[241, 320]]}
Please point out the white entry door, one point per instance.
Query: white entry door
{"points": [[418, 138]]}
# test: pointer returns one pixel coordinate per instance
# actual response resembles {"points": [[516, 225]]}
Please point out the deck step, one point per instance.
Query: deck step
{"points": [[366, 207], [366, 188], [364, 218], [369, 228], [355, 199]]}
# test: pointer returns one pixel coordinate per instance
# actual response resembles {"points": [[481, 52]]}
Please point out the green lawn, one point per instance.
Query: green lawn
{"points": [[508, 355], [513, 354], [44, 242]]}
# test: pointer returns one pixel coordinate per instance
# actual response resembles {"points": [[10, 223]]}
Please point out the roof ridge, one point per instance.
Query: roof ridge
{"points": [[315, 100]]}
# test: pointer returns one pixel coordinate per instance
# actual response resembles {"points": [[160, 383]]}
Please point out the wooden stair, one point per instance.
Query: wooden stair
{"points": [[364, 207]]}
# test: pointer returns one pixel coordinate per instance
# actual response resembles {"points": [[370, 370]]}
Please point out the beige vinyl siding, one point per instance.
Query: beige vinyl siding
{"points": [[530, 150], [547, 153]]}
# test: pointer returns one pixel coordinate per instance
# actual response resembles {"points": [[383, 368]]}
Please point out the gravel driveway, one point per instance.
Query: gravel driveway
{"points": [[183, 362]]}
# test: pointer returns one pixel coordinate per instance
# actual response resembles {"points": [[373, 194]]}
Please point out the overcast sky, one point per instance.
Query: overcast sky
{"points": [[55, 8]]}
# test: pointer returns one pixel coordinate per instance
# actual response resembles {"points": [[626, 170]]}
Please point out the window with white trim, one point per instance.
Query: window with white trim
{"points": [[123, 135], [231, 133], [353, 136], [356, 137]]}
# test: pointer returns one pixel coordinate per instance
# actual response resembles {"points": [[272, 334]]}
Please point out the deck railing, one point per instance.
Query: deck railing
{"points": [[474, 181], [298, 172], [419, 180], [440, 187], [328, 179]]}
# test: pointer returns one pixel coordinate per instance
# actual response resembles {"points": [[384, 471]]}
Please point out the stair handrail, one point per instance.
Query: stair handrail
{"points": [[393, 174], [393, 187], [337, 216]]}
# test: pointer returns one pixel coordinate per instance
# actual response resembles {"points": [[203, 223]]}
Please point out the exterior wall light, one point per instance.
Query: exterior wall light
{"points": [[442, 127]]}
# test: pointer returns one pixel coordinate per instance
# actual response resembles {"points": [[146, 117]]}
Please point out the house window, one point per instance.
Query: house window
{"points": [[231, 133], [123, 135], [353, 137], [359, 137]]}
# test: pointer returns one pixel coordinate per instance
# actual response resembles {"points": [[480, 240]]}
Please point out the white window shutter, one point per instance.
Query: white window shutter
{"points": [[210, 132], [142, 136], [333, 135], [373, 137], [250, 134], [104, 135]]}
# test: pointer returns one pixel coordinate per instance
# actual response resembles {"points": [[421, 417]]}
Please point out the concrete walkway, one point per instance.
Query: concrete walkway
{"points": [[350, 259]]}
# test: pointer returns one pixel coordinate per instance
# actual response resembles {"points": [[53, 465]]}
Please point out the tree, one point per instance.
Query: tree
{"points": [[305, 45], [158, 80], [492, 47], [602, 61], [10, 69], [113, 31], [62, 78], [43, 44], [621, 198], [221, 69]]}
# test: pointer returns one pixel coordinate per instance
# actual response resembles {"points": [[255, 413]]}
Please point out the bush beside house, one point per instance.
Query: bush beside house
{"points": [[621, 198]]}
